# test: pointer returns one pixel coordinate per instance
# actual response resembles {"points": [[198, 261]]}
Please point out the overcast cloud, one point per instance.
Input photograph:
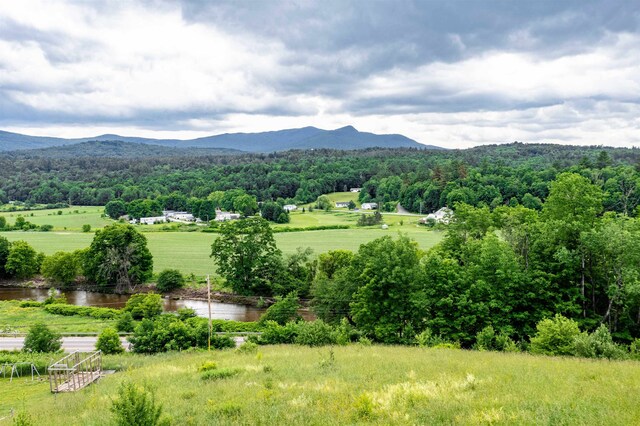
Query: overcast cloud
{"points": [[448, 73]]}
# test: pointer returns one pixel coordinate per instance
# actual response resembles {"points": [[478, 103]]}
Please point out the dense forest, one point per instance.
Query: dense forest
{"points": [[421, 180]]}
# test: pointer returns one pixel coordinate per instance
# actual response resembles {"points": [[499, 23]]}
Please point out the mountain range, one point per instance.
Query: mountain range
{"points": [[281, 140]]}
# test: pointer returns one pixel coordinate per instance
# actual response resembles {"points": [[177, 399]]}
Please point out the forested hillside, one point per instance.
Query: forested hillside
{"points": [[421, 180]]}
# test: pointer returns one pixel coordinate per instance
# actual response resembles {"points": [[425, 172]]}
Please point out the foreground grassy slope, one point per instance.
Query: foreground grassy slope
{"points": [[357, 385], [189, 251]]}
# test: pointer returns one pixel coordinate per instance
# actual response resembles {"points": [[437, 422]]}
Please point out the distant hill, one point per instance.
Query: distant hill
{"points": [[118, 149], [304, 138]]}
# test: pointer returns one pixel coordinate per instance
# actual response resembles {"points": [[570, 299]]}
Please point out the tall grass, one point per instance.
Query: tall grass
{"points": [[363, 385]]}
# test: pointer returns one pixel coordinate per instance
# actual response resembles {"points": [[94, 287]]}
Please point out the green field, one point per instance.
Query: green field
{"points": [[12, 315], [71, 219], [189, 251], [384, 385]]}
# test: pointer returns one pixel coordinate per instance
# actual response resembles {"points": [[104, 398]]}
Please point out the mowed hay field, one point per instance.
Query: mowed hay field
{"points": [[189, 251], [384, 385], [71, 219]]}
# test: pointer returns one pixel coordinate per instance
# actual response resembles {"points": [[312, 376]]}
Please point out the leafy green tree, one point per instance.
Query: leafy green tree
{"points": [[144, 305], [61, 268], [22, 261], [387, 274], [169, 279], [118, 256], [333, 289], [109, 342], [555, 336], [41, 339], [272, 211], [324, 202], [116, 208], [5, 247], [86, 228], [3, 222], [245, 204], [125, 322], [246, 255], [284, 310]]}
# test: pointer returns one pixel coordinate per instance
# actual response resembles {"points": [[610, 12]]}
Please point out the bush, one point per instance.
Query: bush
{"points": [[41, 339], [61, 268], [315, 333], [31, 304], [109, 342], [598, 344], [220, 373], [247, 348], [46, 228], [276, 334], [144, 305], [284, 310], [208, 365], [125, 323], [136, 406], [86, 228], [169, 279], [186, 313], [488, 340], [555, 336], [86, 311]]}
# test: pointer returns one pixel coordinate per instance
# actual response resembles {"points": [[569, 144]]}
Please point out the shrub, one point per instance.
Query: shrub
{"points": [[61, 268], [125, 323], [488, 340], [186, 313], [247, 348], [169, 279], [46, 228], [23, 419], [41, 339], [598, 344], [109, 342], [22, 261], [208, 365], [315, 333], [86, 228], [555, 336], [426, 339], [31, 304], [222, 342], [220, 373], [276, 334], [86, 311], [144, 305], [135, 406], [284, 310]]}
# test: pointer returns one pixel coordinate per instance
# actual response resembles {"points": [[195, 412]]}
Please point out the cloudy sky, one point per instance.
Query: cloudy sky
{"points": [[449, 73]]}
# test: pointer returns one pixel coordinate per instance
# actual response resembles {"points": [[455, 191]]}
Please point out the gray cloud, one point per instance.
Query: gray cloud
{"points": [[463, 72]]}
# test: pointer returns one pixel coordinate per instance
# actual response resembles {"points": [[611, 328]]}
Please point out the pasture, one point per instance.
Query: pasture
{"points": [[70, 219], [189, 251], [353, 384]]}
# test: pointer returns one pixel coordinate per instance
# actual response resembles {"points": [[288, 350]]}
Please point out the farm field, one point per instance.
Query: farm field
{"points": [[71, 219], [352, 385], [189, 251]]}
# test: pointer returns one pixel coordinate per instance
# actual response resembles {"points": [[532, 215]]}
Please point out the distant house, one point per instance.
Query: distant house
{"points": [[152, 220], [443, 215], [341, 204], [369, 206], [355, 189], [183, 216], [290, 207], [224, 216]]}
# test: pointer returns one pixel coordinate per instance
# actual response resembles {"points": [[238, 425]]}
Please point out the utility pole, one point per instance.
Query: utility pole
{"points": [[209, 303]]}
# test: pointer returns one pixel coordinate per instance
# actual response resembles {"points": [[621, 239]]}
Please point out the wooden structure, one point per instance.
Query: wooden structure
{"points": [[75, 371]]}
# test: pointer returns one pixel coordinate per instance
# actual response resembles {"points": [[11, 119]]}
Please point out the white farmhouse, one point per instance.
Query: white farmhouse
{"points": [[443, 215], [356, 189], [369, 206], [290, 207], [224, 216], [152, 220], [340, 204]]}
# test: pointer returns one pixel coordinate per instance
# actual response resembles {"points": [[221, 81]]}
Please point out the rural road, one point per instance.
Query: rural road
{"points": [[69, 344]]}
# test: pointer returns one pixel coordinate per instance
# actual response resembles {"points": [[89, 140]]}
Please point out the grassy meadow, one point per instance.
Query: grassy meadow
{"points": [[71, 219], [12, 315], [355, 384], [189, 251]]}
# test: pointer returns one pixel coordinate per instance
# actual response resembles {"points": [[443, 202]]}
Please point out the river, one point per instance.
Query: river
{"points": [[228, 311]]}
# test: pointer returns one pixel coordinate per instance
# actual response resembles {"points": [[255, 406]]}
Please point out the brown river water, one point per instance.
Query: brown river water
{"points": [[228, 311]]}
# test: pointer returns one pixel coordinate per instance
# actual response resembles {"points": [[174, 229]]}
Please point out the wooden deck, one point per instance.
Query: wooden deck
{"points": [[77, 381]]}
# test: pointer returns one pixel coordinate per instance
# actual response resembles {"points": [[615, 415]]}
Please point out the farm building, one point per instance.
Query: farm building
{"points": [[290, 207], [355, 189], [152, 220], [224, 216], [341, 204], [443, 215], [369, 206]]}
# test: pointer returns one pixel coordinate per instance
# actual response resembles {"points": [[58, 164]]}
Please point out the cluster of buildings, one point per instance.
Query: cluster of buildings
{"points": [[183, 217], [443, 215]]}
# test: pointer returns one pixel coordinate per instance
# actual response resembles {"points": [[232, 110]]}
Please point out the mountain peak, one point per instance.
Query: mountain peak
{"points": [[347, 129]]}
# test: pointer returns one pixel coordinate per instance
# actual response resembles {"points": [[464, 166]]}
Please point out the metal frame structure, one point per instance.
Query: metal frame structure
{"points": [[75, 371]]}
